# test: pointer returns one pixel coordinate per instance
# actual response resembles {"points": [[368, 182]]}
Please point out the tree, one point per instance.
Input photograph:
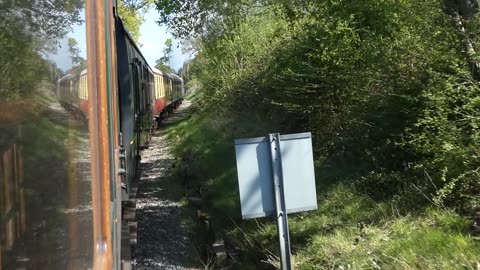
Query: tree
{"points": [[163, 63], [78, 63], [195, 18], [28, 30], [51, 18], [460, 11], [385, 82], [132, 13], [138, 4]]}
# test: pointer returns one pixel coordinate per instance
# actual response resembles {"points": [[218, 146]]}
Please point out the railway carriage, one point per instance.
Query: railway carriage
{"points": [[145, 94], [68, 91], [63, 186], [135, 88], [168, 93], [72, 93], [160, 93]]}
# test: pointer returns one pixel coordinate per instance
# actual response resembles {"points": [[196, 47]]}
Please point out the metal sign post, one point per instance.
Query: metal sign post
{"points": [[274, 181], [280, 209]]}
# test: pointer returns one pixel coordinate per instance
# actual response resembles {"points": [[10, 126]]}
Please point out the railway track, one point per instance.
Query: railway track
{"points": [[163, 241]]}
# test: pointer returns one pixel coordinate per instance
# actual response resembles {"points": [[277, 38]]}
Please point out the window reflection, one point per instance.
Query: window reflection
{"points": [[45, 184]]}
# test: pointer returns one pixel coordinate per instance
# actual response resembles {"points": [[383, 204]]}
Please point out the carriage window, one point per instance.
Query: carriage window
{"points": [[162, 86], [45, 183], [160, 80]]}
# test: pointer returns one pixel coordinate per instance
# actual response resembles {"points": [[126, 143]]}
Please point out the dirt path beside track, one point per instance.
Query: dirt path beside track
{"points": [[163, 241]]}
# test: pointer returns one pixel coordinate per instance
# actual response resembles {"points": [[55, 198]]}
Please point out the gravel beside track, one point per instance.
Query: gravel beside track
{"points": [[163, 242]]}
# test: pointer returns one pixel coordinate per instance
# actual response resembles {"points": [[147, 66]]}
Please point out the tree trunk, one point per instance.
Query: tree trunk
{"points": [[459, 11]]}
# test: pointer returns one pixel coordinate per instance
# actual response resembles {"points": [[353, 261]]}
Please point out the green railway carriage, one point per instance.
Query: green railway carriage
{"points": [[135, 86]]}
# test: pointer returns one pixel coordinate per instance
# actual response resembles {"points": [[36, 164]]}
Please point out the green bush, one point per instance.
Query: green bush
{"points": [[386, 89]]}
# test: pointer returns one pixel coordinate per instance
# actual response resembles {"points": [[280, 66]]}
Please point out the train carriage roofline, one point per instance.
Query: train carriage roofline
{"points": [[130, 39], [157, 71], [72, 76], [175, 76], [67, 77], [165, 74]]}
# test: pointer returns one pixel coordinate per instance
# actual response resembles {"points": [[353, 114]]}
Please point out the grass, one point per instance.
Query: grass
{"points": [[350, 230], [433, 239]]}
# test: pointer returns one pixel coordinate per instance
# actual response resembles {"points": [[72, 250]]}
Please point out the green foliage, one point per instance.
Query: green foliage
{"points": [[143, 5], [163, 63], [349, 229], [403, 243], [195, 18], [132, 13], [367, 78], [17, 57], [229, 68], [387, 90], [78, 62], [49, 20], [24, 40]]}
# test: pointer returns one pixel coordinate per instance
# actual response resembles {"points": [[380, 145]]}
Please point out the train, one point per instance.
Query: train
{"points": [[146, 96], [68, 175]]}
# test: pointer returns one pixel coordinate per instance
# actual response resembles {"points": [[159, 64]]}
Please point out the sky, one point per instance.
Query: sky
{"points": [[152, 41]]}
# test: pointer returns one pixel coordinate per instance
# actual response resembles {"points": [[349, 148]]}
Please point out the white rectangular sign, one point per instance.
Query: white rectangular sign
{"points": [[255, 175]]}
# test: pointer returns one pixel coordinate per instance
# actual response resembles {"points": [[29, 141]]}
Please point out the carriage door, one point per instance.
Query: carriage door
{"points": [[136, 97]]}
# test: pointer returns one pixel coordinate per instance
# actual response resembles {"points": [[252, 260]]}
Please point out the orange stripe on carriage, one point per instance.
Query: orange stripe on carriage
{"points": [[84, 107], [160, 105]]}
